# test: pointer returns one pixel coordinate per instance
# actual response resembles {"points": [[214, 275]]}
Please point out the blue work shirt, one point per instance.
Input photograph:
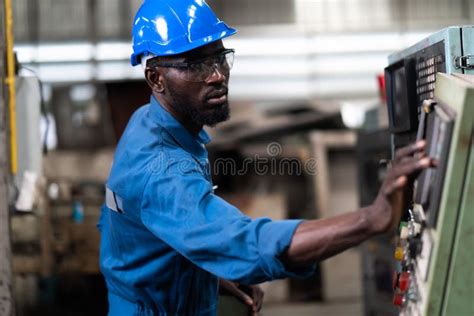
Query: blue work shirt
{"points": [[167, 237]]}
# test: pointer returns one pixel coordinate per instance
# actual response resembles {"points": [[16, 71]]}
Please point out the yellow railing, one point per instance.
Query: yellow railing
{"points": [[10, 81]]}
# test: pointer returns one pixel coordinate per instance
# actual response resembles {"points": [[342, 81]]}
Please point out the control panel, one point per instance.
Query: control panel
{"points": [[411, 76], [433, 273], [430, 95]]}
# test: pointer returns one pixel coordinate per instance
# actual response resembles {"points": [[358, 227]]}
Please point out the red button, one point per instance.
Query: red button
{"points": [[398, 299], [404, 281]]}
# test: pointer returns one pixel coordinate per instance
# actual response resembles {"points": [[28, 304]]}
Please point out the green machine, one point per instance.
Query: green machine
{"points": [[430, 95], [435, 269], [453, 258]]}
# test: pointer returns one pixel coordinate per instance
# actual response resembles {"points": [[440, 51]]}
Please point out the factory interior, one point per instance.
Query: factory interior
{"points": [[321, 94]]}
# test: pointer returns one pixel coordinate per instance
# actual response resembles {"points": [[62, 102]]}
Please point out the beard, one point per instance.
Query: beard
{"points": [[194, 113]]}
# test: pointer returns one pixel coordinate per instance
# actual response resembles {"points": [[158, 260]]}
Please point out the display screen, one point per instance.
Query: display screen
{"points": [[400, 99], [401, 96], [437, 132], [410, 81]]}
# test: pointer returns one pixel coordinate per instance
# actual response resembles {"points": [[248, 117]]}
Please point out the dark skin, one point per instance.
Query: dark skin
{"points": [[313, 240], [317, 240], [206, 96], [251, 295]]}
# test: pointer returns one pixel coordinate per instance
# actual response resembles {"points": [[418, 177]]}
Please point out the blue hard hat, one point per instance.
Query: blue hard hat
{"points": [[169, 27]]}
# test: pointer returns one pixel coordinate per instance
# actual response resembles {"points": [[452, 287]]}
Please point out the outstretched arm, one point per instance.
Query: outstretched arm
{"points": [[316, 240]]}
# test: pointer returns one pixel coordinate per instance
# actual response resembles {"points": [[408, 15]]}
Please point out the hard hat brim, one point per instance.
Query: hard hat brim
{"points": [[147, 47]]}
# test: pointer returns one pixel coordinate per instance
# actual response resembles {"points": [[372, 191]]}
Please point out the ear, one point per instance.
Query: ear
{"points": [[154, 78]]}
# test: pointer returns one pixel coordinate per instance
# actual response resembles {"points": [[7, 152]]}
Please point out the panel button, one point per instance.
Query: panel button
{"points": [[404, 281], [399, 253], [398, 299]]}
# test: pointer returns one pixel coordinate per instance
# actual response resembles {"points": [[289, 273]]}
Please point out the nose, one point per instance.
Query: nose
{"points": [[217, 75]]}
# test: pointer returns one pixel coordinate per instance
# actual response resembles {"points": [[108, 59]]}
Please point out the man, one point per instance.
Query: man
{"points": [[166, 237]]}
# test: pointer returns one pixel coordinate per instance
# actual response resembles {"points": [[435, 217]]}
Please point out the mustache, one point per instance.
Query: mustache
{"points": [[215, 93]]}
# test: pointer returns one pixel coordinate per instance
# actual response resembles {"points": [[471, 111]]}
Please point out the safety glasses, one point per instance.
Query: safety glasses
{"points": [[200, 69]]}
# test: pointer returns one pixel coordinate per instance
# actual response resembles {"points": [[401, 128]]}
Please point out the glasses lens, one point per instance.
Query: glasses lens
{"points": [[197, 72], [203, 70], [229, 57]]}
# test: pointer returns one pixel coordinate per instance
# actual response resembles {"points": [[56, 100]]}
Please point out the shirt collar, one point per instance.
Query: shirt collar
{"points": [[189, 142]]}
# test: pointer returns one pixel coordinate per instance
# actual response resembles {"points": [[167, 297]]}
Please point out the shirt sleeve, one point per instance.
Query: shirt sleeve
{"points": [[180, 208]]}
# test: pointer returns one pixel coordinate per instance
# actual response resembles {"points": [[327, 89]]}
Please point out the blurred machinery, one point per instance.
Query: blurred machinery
{"points": [[411, 76], [433, 270], [56, 197], [7, 154]]}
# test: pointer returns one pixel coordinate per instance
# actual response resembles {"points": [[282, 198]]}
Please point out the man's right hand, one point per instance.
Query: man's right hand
{"points": [[388, 207], [316, 240]]}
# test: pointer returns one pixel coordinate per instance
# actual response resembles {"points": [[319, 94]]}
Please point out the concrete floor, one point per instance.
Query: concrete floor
{"points": [[230, 306], [313, 309]]}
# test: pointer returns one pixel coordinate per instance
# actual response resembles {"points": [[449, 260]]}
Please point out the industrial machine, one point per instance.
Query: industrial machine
{"points": [[433, 274], [8, 153], [411, 76], [434, 270]]}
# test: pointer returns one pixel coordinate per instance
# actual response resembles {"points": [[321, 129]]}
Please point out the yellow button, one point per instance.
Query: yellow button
{"points": [[399, 253]]}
